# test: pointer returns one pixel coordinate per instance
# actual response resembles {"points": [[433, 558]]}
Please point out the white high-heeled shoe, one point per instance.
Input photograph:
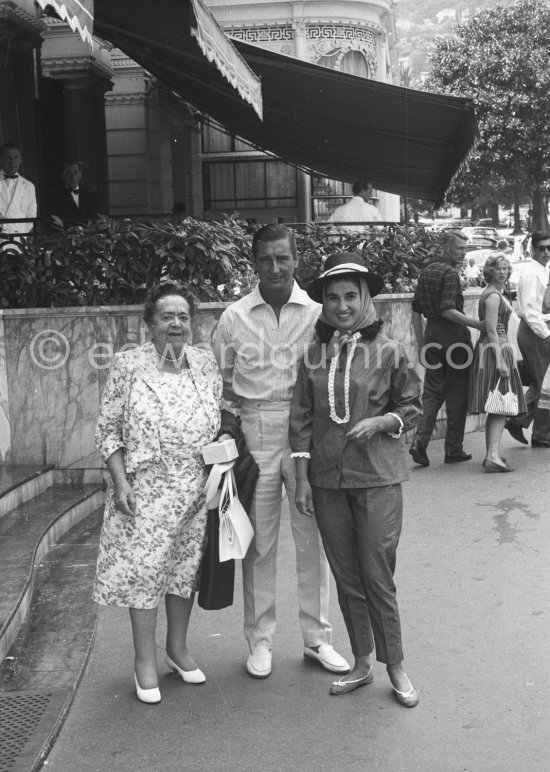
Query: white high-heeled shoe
{"points": [[189, 676], [149, 696]]}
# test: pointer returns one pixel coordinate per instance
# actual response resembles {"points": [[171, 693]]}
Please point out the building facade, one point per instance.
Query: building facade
{"points": [[145, 149], [355, 37]]}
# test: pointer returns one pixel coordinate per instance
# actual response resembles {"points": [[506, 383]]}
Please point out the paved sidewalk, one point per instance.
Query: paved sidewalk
{"points": [[473, 587]]}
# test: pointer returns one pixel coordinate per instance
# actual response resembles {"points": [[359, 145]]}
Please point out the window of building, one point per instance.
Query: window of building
{"points": [[354, 63], [216, 140], [249, 184], [327, 195], [238, 176]]}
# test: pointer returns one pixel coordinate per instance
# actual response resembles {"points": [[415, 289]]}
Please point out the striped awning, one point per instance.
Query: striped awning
{"points": [[168, 38], [79, 15]]}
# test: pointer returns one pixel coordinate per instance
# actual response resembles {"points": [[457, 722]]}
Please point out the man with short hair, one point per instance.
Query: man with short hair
{"points": [[358, 209], [17, 194], [533, 339], [445, 350], [73, 202], [258, 344]]}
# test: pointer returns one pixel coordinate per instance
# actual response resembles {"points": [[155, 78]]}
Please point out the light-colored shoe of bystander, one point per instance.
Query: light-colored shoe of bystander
{"points": [[327, 657], [258, 663]]}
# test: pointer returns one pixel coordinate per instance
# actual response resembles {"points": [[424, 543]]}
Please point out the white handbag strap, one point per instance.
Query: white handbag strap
{"points": [[226, 497], [213, 483]]}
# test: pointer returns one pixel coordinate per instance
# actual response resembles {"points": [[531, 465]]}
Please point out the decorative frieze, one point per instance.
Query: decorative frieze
{"points": [[336, 40], [341, 33], [276, 33], [322, 39]]}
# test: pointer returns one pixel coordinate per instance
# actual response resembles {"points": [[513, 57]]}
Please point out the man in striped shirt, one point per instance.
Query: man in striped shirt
{"points": [[258, 344]]}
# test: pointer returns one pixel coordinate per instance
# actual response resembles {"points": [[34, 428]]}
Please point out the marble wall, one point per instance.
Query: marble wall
{"points": [[53, 364]]}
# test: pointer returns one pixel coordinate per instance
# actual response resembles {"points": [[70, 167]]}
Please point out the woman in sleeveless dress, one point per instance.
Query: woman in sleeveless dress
{"points": [[494, 359]]}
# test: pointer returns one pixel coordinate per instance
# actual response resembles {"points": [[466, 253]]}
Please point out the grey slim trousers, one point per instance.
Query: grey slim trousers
{"points": [[360, 528]]}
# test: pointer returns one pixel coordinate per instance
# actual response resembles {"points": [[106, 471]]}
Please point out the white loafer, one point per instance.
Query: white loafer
{"points": [[189, 676], [258, 664], [149, 696], [328, 658]]}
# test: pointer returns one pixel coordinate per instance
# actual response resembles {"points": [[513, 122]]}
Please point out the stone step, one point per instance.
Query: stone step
{"points": [[21, 483], [41, 673], [27, 532]]}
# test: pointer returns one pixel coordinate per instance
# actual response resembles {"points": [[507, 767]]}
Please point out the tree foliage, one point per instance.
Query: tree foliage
{"points": [[501, 59]]}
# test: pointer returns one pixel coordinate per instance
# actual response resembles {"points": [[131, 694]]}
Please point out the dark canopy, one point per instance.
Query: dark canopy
{"points": [[403, 141], [340, 126]]}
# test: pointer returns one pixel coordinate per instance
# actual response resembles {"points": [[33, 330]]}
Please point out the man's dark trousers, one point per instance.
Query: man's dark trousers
{"points": [[537, 359], [447, 353]]}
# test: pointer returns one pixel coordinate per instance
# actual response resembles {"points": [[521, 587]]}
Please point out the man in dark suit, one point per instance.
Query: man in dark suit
{"points": [[73, 202]]}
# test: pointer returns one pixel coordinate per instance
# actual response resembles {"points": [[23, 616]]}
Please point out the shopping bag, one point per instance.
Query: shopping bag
{"points": [[217, 579], [498, 403], [236, 532]]}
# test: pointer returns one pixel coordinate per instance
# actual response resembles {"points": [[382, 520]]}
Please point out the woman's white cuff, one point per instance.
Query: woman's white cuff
{"points": [[399, 432]]}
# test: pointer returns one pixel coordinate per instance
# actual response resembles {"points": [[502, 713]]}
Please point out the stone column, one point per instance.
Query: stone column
{"points": [[85, 137], [85, 76], [303, 178]]}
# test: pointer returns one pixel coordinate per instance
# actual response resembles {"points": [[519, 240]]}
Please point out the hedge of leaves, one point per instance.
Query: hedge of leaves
{"points": [[113, 262]]}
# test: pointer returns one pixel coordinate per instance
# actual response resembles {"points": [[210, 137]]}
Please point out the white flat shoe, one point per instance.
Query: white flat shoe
{"points": [[148, 696], [189, 676], [343, 686], [408, 699]]}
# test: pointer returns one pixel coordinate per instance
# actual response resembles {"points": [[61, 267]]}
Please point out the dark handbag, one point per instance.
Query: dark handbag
{"points": [[217, 579]]}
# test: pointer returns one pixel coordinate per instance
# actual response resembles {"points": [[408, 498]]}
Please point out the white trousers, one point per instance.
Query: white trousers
{"points": [[265, 427]]}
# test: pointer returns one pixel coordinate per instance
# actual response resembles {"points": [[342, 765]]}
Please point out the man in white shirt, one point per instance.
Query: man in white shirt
{"points": [[534, 342], [17, 195], [358, 209], [258, 344], [472, 272]]}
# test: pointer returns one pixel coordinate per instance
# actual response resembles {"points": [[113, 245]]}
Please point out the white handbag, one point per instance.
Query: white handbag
{"points": [[498, 403], [236, 532]]}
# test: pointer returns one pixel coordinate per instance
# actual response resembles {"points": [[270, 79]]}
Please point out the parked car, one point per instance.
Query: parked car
{"points": [[452, 224], [475, 231]]}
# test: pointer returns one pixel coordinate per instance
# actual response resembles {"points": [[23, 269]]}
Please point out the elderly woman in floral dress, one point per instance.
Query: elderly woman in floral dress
{"points": [[160, 406]]}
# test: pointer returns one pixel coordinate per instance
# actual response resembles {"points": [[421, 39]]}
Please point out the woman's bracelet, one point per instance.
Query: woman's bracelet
{"points": [[300, 455], [399, 432]]}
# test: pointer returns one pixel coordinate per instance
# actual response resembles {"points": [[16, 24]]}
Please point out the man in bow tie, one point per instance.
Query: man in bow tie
{"points": [[17, 195], [73, 202]]}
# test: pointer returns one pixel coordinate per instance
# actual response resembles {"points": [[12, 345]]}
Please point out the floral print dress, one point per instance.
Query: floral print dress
{"points": [[159, 550]]}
